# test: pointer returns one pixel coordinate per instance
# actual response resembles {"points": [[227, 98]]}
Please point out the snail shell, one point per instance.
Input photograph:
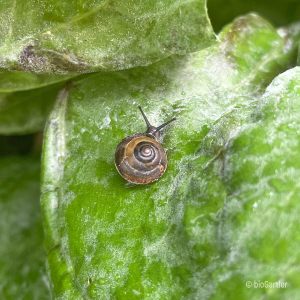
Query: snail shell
{"points": [[140, 159]]}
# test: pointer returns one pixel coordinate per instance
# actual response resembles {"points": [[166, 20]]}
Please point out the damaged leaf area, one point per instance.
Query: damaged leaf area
{"points": [[182, 236], [84, 36]]}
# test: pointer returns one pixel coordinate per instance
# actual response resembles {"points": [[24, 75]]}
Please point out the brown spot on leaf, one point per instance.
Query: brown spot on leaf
{"points": [[29, 60], [35, 59]]}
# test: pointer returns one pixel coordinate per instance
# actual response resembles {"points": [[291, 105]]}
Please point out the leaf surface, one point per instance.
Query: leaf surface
{"points": [[115, 240], [22, 257], [254, 238], [51, 36], [25, 112]]}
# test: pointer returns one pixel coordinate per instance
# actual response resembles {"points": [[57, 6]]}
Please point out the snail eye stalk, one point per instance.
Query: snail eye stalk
{"points": [[152, 128], [145, 118], [164, 124]]}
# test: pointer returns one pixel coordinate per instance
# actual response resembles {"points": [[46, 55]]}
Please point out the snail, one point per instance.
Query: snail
{"points": [[140, 158]]}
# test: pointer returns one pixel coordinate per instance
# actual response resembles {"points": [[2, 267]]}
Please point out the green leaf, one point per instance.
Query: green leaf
{"points": [[22, 259], [278, 12], [255, 217], [16, 81], [54, 36], [26, 99], [110, 239], [26, 111]]}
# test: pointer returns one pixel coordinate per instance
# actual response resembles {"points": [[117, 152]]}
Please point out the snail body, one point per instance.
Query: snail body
{"points": [[140, 158]]}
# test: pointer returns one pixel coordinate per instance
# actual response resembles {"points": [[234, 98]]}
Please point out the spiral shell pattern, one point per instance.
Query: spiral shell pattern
{"points": [[140, 159]]}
